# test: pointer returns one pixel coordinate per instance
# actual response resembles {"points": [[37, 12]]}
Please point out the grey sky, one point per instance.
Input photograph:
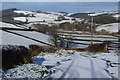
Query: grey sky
{"points": [[60, 0]]}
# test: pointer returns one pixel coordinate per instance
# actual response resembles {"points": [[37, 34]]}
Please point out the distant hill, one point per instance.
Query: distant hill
{"points": [[7, 15], [64, 13], [80, 15], [14, 15]]}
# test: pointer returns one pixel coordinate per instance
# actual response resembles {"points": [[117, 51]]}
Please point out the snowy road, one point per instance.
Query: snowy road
{"points": [[81, 67]]}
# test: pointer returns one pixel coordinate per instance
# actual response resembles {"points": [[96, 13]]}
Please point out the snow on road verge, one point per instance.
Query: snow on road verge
{"points": [[52, 59], [110, 58], [25, 71]]}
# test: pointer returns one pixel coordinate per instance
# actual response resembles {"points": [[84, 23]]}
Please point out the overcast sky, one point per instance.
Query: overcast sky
{"points": [[60, 0]]}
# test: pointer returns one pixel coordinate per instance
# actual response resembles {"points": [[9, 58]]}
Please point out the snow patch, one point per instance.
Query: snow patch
{"points": [[3, 24], [25, 71], [113, 27]]}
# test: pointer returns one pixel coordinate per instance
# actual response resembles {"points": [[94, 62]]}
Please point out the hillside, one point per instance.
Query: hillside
{"points": [[80, 15], [111, 28], [19, 37], [79, 21], [43, 17]]}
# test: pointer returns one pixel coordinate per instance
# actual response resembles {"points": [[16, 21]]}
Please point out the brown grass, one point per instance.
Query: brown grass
{"points": [[36, 49], [95, 48]]}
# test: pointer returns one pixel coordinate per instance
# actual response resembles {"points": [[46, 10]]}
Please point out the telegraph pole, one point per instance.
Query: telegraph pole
{"points": [[119, 26], [91, 29], [119, 37]]}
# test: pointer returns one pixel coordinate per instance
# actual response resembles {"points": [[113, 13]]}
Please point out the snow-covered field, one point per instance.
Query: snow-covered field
{"points": [[50, 17], [12, 39], [3, 24], [88, 38], [77, 35], [116, 16], [113, 27], [35, 35]]}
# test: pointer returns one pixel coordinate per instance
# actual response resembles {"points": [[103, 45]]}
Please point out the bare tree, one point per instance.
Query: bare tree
{"points": [[69, 41], [54, 38]]}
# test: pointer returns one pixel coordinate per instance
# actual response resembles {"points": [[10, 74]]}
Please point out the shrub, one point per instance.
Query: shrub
{"points": [[41, 27], [103, 31], [95, 48], [36, 49], [13, 55]]}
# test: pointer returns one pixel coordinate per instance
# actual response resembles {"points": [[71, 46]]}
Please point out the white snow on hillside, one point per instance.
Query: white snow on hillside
{"points": [[77, 35], [43, 17], [20, 19], [56, 13], [116, 16], [34, 35], [70, 14], [93, 14], [87, 38], [24, 12], [113, 27], [38, 16], [96, 14], [0, 37], [3, 24], [9, 38]]}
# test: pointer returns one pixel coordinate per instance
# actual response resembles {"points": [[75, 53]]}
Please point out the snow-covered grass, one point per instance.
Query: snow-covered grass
{"points": [[52, 59], [24, 12], [113, 58], [102, 39], [87, 35], [116, 16], [96, 14], [111, 28], [35, 35], [9, 38], [55, 13], [0, 37], [25, 71], [3, 24], [38, 16]]}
